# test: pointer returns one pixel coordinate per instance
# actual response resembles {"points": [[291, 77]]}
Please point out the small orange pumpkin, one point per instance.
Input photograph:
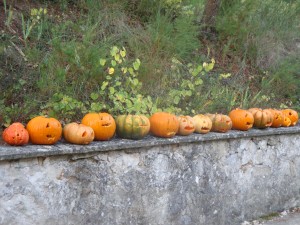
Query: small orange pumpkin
{"points": [[44, 131], [220, 122], [79, 134], [292, 115], [186, 125], [163, 124], [203, 124], [241, 119], [15, 134], [278, 118], [286, 121], [263, 118], [103, 124]]}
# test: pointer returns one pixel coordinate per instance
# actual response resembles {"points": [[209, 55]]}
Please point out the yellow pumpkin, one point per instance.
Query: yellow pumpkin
{"points": [[263, 118], [220, 122], [203, 123], [186, 125], [78, 133]]}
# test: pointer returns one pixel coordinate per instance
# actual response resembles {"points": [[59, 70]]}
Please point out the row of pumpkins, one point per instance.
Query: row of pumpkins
{"points": [[102, 126]]}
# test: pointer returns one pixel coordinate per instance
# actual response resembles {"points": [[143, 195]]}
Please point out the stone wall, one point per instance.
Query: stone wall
{"points": [[213, 179]]}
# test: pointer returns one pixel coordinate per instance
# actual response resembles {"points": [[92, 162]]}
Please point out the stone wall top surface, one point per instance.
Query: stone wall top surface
{"points": [[62, 148]]}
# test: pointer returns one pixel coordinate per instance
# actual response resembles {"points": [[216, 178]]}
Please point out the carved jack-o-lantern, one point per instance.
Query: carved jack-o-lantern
{"points": [[220, 122], [278, 118], [263, 118], [241, 119], [203, 124], [132, 126], [286, 121], [79, 134], [15, 134], [292, 115], [186, 125], [163, 124], [103, 124], [44, 131]]}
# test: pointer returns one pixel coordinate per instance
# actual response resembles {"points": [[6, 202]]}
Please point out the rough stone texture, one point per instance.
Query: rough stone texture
{"points": [[182, 182]]}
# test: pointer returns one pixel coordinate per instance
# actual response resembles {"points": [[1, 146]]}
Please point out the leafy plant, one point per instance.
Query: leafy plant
{"points": [[36, 20], [120, 92], [188, 79]]}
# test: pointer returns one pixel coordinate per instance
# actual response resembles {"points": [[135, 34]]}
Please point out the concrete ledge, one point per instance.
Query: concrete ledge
{"points": [[61, 148], [210, 179]]}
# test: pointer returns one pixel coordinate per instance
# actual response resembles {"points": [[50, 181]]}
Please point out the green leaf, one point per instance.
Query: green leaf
{"points": [[117, 57], [176, 100], [123, 53], [94, 96], [102, 62], [111, 90], [189, 93], [135, 82], [195, 73], [208, 67], [198, 81], [104, 85], [113, 63], [199, 68], [131, 71], [124, 70], [136, 64], [114, 51]]}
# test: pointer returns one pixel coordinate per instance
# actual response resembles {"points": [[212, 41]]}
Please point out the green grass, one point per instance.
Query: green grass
{"points": [[256, 44]]}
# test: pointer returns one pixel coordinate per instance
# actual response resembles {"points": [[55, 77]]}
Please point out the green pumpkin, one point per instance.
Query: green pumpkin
{"points": [[132, 126]]}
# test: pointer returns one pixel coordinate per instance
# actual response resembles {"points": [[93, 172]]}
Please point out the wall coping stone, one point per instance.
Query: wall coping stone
{"points": [[62, 148]]}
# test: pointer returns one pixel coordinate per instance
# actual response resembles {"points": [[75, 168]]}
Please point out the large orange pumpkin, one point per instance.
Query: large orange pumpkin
{"points": [[163, 124], [292, 115], [15, 134], [220, 122], [278, 118], [79, 134], [263, 118], [203, 123], [44, 131], [241, 119], [103, 125], [186, 125]]}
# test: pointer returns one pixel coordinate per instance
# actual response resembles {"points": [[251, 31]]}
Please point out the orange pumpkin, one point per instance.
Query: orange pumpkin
{"points": [[103, 124], [163, 124], [186, 125], [44, 131], [15, 134], [278, 118], [263, 118], [220, 122], [203, 124], [292, 115], [79, 134], [286, 121], [241, 119]]}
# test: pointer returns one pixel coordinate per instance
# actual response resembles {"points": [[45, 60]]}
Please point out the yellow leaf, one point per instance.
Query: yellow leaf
{"points": [[111, 70]]}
